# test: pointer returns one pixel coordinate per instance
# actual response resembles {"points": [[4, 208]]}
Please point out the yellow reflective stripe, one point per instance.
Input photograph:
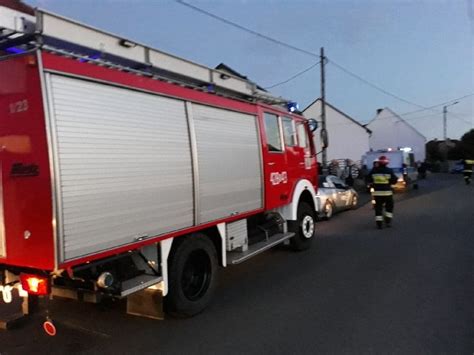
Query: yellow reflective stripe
{"points": [[388, 214], [469, 161], [381, 178], [379, 218], [382, 193], [467, 171]]}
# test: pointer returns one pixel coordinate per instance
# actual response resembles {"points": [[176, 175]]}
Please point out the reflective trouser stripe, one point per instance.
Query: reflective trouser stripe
{"points": [[382, 193], [379, 218], [389, 214]]}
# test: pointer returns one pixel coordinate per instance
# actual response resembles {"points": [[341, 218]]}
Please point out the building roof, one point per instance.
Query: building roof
{"points": [[18, 5], [399, 118], [226, 68], [342, 113]]}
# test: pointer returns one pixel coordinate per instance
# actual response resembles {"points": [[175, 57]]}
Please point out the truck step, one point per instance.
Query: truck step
{"points": [[139, 283], [255, 249]]}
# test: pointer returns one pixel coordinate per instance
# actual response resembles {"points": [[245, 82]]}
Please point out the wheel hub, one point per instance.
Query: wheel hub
{"points": [[307, 226]]}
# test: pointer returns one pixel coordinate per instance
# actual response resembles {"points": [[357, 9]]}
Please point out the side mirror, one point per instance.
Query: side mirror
{"points": [[313, 124]]}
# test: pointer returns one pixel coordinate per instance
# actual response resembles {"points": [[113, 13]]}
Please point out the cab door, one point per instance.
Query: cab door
{"points": [[306, 152], [294, 154], [275, 167], [300, 161]]}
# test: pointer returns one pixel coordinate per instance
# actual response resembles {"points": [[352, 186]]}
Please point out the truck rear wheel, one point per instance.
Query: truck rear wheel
{"points": [[304, 228], [192, 276]]}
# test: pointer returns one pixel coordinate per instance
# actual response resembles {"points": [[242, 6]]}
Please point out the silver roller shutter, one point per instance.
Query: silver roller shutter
{"points": [[230, 177], [123, 165]]}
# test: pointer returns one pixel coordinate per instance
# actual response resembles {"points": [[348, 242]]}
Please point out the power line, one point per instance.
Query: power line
{"points": [[432, 107], [437, 105], [416, 111], [293, 77], [292, 47], [240, 27], [373, 85], [423, 108], [433, 115]]}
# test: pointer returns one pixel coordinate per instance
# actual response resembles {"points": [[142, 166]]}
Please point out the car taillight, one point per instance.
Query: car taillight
{"points": [[34, 284]]}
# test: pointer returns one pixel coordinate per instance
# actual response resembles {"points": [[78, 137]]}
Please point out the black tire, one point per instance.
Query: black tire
{"points": [[328, 210], [192, 276], [304, 228]]}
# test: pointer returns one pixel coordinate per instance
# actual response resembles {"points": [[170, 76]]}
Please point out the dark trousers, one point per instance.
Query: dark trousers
{"points": [[380, 202], [467, 177]]}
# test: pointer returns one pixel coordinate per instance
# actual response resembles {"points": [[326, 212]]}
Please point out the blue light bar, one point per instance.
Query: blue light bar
{"points": [[292, 106], [92, 56], [15, 50]]}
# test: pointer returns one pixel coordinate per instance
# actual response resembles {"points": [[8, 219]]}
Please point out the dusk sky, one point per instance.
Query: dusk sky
{"points": [[421, 51]]}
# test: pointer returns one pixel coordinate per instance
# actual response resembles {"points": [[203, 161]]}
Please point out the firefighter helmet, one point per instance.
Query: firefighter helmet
{"points": [[383, 160]]}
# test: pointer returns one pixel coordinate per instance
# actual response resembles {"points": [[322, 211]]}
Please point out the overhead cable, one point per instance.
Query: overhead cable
{"points": [[294, 76], [358, 77], [297, 49], [248, 30]]}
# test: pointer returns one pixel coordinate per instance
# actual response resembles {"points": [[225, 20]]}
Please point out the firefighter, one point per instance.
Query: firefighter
{"points": [[368, 183], [382, 178], [467, 171]]}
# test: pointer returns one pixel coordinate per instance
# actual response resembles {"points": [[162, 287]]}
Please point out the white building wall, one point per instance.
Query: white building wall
{"points": [[347, 139], [390, 131]]}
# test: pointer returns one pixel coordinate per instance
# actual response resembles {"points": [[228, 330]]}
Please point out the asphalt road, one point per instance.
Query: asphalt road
{"points": [[404, 290]]}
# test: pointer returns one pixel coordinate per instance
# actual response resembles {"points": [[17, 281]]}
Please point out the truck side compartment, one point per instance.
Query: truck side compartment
{"points": [[27, 238]]}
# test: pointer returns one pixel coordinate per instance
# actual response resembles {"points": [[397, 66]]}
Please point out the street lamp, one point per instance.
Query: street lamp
{"points": [[445, 114]]}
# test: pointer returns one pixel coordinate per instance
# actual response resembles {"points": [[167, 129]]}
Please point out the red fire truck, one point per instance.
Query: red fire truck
{"points": [[125, 169]]}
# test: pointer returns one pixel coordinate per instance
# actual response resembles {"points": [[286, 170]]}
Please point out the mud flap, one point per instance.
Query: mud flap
{"points": [[146, 303]]}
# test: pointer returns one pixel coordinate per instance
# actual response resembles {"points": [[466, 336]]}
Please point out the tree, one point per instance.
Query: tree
{"points": [[455, 153], [467, 144], [432, 151]]}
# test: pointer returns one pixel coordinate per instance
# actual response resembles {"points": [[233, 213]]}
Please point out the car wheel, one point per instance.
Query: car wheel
{"points": [[192, 276], [304, 228], [328, 210], [354, 202]]}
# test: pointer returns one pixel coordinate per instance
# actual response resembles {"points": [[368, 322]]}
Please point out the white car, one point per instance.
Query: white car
{"points": [[334, 195]]}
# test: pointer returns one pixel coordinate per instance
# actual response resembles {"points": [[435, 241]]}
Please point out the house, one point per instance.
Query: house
{"points": [[348, 139], [389, 130]]}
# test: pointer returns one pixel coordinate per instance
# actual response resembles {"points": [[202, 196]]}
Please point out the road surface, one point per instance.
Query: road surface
{"points": [[404, 290]]}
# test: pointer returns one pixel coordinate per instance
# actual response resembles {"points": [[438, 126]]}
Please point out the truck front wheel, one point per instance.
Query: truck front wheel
{"points": [[304, 228], [192, 276]]}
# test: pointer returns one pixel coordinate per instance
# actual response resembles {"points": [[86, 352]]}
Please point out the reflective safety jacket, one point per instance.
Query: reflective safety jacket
{"points": [[382, 178], [468, 163]]}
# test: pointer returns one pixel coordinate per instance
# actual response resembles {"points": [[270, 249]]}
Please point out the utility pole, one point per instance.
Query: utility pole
{"points": [[445, 129], [445, 119], [323, 110]]}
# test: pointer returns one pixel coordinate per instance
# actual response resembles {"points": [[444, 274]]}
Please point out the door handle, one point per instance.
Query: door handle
{"points": [[271, 164]]}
